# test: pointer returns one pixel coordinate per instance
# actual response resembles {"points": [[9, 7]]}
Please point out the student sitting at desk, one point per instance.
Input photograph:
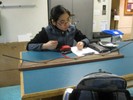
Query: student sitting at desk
{"points": [[59, 32]]}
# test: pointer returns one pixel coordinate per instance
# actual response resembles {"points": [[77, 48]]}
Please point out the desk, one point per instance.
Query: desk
{"points": [[47, 82]]}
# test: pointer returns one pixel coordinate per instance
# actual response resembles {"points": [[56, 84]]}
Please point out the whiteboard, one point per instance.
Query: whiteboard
{"points": [[18, 2]]}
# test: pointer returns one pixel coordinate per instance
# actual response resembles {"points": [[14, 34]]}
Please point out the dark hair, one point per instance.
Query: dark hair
{"points": [[57, 11]]}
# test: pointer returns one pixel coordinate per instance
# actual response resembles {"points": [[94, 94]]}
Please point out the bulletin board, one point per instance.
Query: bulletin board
{"points": [[128, 9]]}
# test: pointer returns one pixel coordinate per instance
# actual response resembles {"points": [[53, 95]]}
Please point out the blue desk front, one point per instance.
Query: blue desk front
{"points": [[46, 79]]}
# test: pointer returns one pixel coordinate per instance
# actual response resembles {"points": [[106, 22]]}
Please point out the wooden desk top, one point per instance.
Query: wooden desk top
{"points": [[68, 61]]}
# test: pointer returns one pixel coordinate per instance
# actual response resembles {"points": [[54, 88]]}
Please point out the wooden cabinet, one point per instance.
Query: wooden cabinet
{"points": [[9, 74]]}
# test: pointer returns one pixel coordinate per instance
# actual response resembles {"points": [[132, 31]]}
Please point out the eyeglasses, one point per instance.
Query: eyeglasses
{"points": [[63, 22]]}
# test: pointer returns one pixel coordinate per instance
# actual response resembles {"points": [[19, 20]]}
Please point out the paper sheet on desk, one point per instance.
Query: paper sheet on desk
{"points": [[84, 51]]}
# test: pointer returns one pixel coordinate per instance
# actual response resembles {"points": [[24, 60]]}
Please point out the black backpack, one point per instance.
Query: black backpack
{"points": [[101, 86]]}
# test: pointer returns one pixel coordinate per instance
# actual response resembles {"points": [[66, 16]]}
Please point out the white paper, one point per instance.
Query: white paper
{"points": [[84, 51], [117, 17], [103, 25]]}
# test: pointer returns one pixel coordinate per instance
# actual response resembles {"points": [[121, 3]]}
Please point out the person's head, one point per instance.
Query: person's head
{"points": [[60, 17]]}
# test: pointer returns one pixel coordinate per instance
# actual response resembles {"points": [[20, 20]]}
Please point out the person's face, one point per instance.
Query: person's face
{"points": [[63, 22]]}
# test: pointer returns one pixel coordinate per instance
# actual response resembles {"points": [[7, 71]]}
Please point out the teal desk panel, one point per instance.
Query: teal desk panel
{"points": [[63, 76], [38, 56], [43, 55]]}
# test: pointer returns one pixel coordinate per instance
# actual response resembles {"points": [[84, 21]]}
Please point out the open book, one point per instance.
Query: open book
{"points": [[84, 51]]}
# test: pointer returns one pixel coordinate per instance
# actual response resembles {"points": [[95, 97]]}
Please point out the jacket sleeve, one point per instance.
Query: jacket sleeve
{"points": [[36, 43], [79, 36]]}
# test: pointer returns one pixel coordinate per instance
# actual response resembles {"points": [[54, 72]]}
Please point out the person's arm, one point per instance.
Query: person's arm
{"points": [[79, 36], [36, 43]]}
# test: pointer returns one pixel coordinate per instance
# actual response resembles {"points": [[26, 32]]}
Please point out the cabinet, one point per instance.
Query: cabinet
{"points": [[83, 11]]}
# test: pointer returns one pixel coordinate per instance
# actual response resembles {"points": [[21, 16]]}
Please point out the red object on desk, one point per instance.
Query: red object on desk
{"points": [[65, 48]]}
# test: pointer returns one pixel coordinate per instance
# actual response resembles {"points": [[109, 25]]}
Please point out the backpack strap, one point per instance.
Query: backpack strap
{"points": [[122, 95], [74, 95], [83, 95]]}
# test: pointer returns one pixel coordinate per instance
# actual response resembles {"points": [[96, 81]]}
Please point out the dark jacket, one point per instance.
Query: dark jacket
{"points": [[53, 33]]}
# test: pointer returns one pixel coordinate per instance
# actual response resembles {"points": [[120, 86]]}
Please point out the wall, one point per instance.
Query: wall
{"points": [[22, 20], [17, 21], [125, 23]]}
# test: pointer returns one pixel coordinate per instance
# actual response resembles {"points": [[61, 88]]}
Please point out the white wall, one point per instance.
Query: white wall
{"points": [[16, 21], [22, 20], [101, 22]]}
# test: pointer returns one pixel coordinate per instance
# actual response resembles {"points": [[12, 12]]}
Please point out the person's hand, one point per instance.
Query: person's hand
{"points": [[50, 45], [80, 45]]}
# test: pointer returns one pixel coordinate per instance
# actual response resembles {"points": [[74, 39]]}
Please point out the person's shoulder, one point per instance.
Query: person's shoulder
{"points": [[42, 29], [49, 28], [46, 29], [72, 27]]}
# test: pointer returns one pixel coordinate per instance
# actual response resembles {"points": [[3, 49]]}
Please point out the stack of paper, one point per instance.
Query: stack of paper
{"points": [[84, 51]]}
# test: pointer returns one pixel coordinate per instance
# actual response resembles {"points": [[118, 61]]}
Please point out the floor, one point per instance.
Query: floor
{"points": [[131, 91], [10, 93], [13, 93]]}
